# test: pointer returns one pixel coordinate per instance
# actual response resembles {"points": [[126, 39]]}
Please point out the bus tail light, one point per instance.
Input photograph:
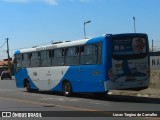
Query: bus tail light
{"points": [[110, 74]]}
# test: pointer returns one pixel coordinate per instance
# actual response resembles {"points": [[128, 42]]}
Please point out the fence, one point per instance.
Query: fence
{"points": [[155, 70]]}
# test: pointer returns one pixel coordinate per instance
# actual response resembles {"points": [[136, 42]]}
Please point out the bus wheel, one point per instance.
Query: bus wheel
{"points": [[28, 87], [67, 89]]}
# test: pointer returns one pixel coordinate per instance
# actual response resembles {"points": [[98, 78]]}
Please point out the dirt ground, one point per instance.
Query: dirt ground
{"points": [[155, 79]]}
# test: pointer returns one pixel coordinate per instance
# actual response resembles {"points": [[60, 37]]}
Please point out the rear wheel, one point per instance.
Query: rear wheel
{"points": [[67, 89], [28, 87]]}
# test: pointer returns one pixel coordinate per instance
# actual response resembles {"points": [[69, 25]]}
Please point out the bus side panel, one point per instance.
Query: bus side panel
{"points": [[19, 81], [48, 78], [86, 78], [20, 77], [89, 78]]}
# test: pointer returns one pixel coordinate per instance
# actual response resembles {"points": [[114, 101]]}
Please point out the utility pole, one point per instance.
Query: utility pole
{"points": [[152, 45], [134, 20], [8, 54]]}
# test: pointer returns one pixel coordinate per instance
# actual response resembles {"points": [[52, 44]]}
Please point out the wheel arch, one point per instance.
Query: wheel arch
{"points": [[67, 93], [25, 82], [65, 81]]}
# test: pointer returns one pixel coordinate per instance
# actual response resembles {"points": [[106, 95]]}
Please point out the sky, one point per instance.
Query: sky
{"points": [[29, 23]]}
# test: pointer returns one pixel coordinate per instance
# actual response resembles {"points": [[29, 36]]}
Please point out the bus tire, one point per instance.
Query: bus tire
{"points": [[67, 89], [28, 87]]}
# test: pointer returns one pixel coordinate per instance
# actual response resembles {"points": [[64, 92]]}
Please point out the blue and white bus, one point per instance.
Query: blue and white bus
{"points": [[96, 65]]}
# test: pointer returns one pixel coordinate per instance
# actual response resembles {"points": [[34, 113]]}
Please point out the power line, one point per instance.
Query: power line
{"points": [[3, 44]]}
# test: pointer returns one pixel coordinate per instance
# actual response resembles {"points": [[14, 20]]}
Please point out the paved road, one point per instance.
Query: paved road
{"points": [[13, 99]]}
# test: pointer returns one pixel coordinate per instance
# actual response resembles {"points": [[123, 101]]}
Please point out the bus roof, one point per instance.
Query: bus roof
{"points": [[72, 43], [53, 46]]}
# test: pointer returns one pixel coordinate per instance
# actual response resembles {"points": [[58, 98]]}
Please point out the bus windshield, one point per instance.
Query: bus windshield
{"points": [[129, 47]]}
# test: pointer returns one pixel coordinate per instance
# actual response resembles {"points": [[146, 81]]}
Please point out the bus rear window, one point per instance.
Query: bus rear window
{"points": [[129, 48]]}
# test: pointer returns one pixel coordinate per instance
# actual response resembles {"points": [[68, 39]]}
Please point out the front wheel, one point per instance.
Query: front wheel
{"points": [[67, 89]]}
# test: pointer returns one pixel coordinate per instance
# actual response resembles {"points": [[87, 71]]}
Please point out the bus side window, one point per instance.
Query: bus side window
{"points": [[52, 54], [46, 58], [82, 50], [35, 60], [89, 54], [29, 56], [72, 56], [26, 60], [58, 58], [17, 61], [49, 54]]}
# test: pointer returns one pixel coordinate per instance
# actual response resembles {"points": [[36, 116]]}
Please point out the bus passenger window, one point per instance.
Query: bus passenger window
{"points": [[29, 56], [52, 53], [17, 61], [82, 50], [35, 61], [89, 54], [72, 57], [58, 59], [45, 58], [25, 60], [49, 54]]}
